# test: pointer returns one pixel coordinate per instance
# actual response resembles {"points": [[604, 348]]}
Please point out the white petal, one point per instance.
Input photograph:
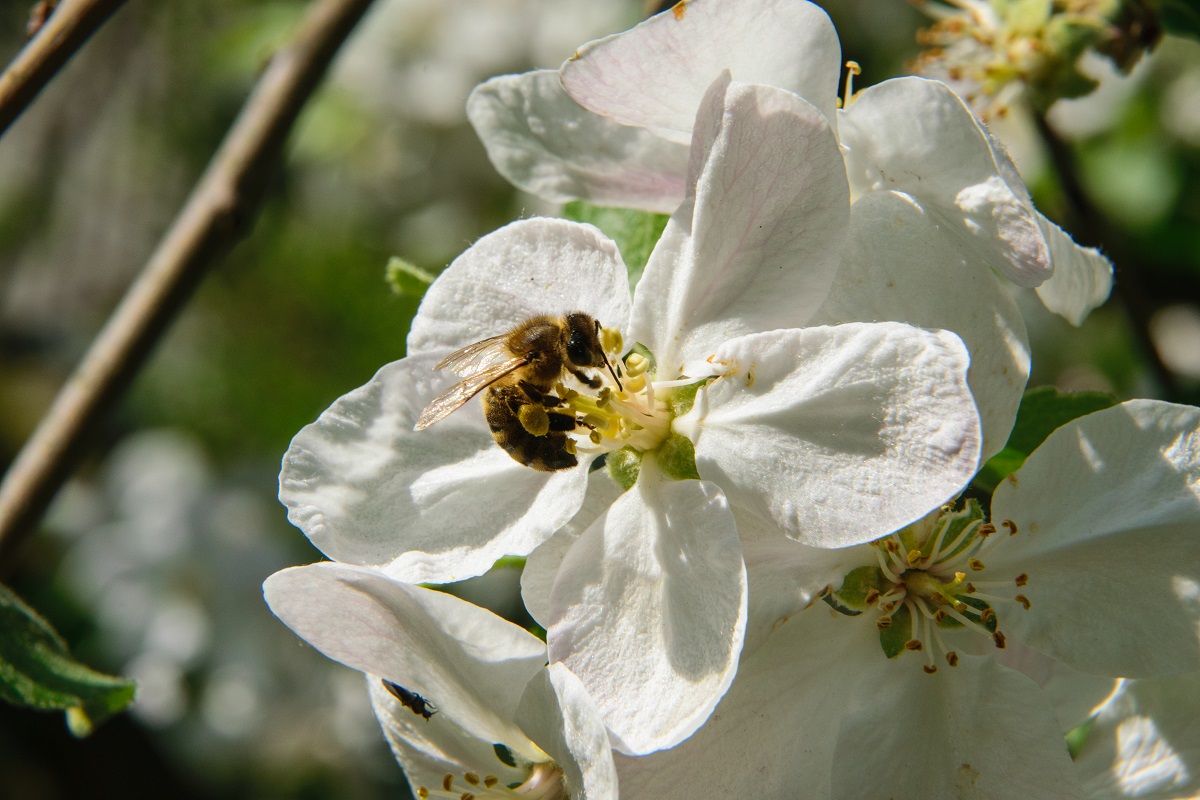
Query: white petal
{"points": [[437, 505], [916, 136], [428, 750], [977, 730], [557, 713], [529, 267], [774, 732], [654, 75], [547, 144], [1082, 279], [898, 266], [541, 567], [1145, 743], [838, 434], [469, 663], [650, 610], [1108, 514], [758, 247], [1074, 695]]}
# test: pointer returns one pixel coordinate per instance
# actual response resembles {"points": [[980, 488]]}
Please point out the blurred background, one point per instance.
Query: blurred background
{"points": [[151, 561]]}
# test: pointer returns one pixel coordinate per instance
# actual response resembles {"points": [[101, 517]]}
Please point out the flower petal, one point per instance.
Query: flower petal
{"points": [[758, 247], [978, 730], [1145, 743], [1108, 518], [654, 75], [469, 663], [1082, 279], [542, 565], [529, 267], [1073, 695], [547, 144], [898, 266], [916, 136], [437, 505], [557, 713], [650, 610], [838, 434]]}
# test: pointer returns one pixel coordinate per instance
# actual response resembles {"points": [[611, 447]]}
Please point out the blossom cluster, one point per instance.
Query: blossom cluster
{"points": [[741, 488]]}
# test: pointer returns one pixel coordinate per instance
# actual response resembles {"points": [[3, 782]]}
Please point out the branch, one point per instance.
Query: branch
{"points": [[68, 27], [219, 212]]}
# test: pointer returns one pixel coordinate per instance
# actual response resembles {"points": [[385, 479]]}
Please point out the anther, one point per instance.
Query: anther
{"points": [[883, 623], [914, 645], [1022, 579], [471, 778], [987, 615], [930, 669], [940, 615], [913, 557], [1023, 600], [969, 588], [892, 545], [986, 530], [1012, 526], [999, 639], [872, 596], [447, 781], [975, 564], [490, 781], [422, 793], [466, 796], [952, 658]]}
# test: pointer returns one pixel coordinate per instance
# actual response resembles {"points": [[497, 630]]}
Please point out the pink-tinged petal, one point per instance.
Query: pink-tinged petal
{"points": [[466, 661], [1145, 742], [839, 434], [1108, 518], [899, 266], [758, 246], [916, 136], [1074, 695], [437, 505], [557, 713], [650, 610], [977, 730], [529, 267], [547, 144], [654, 75], [1082, 279]]}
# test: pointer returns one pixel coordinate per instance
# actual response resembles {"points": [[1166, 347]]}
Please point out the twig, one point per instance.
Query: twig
{"points": [[52, 45], [218, 213], [1094, 229]]}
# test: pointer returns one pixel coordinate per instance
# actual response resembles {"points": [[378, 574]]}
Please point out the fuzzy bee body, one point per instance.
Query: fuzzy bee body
{"points": [[520, 369]]}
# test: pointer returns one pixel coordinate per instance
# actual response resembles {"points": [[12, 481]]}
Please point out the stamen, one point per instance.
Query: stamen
{"points": [[852, 69]]}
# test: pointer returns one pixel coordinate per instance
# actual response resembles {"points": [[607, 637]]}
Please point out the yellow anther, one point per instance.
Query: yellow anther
{"points": [[604, 397], [892, 545], [913, 557], [422, 793], [471, 778], [611, 340], [883, 623], [447, 781], [986, 530], [636, 364], [570, 446], [490, 781], [636, 384], [595, 437]]}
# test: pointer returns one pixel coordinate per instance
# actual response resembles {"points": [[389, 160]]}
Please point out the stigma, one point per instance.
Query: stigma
{"points": [[932, 578]]}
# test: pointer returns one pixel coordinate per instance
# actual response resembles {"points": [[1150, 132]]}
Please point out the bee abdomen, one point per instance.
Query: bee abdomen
{"points": [[547, 453]]}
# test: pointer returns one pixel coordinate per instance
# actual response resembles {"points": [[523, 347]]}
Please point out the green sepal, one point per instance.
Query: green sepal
{"points": [[681, 399], [624, 466], [851, 597], [677, 458], [1042, 411], [893, 639], [956, 522], [635, 232], [37, 671], [407, 279], [505, 754]]}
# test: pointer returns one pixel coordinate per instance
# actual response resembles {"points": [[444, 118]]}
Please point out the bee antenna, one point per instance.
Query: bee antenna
{"points": [[604, 355]]}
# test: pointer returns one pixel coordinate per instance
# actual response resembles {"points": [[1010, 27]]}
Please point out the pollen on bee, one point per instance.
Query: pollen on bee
{"points": [[534, 419]]}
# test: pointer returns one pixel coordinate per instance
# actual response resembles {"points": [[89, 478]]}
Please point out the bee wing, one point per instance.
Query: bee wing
{"points": [[464, 390], [476, 356]]}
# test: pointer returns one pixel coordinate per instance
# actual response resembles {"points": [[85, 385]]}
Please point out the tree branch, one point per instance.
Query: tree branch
{"points": [[70, 25], [219, 212]]}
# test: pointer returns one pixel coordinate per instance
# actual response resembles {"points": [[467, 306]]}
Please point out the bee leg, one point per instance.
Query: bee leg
{"points": [[593, 382], [538, 396], [561, 422]]}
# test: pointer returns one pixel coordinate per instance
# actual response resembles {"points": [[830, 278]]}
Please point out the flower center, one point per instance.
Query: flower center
{"points": [[544, 782], [630, 414], [927, 580]]}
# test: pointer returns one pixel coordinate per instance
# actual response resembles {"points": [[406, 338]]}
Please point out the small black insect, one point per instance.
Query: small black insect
{"points": [[411, 700]]}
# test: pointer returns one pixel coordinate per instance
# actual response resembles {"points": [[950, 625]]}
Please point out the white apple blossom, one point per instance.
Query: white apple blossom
{"points": [[1090, 562], [836, 433], [1145, 742], [612, 126], [472, 708]]}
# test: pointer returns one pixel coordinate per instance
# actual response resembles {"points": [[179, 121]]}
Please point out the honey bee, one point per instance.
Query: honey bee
{"points": [[411, 700], [519, 370]]}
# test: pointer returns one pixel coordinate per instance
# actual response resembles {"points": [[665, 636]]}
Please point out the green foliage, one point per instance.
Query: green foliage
{"points": [[407, 279], [635, 232], [1180, 17], [36, 671], [1043, 409]]}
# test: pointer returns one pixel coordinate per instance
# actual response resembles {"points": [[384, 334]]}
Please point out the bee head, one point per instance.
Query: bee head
{"points": [[583, 341]]}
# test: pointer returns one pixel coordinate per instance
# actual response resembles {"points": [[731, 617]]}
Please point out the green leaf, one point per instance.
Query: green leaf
{"points": [[1181, 17], [635, 232], [37, 671], [1042, 411]]}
